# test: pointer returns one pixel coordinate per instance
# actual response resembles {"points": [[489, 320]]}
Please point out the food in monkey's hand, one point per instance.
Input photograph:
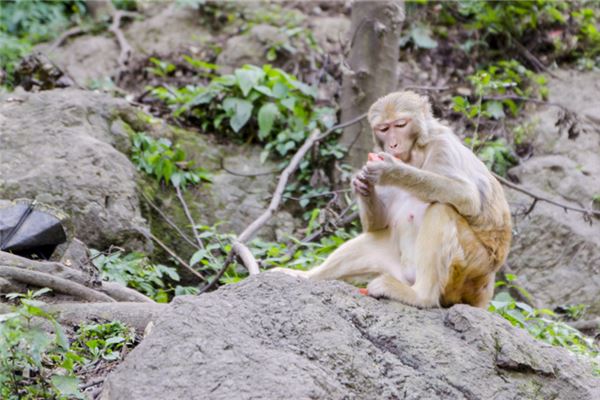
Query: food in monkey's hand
{"points": [[374, 157], [363, 291]]}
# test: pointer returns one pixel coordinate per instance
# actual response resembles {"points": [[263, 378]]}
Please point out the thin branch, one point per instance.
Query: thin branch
{"points": [[586, 325], [55, 283], [249, 175], [526, 99], [585, 211], [168, 220], [188, 214], [76, 30], [176, 257]]}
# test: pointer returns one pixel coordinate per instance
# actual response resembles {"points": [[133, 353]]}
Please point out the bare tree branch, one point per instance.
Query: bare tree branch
{"points": [[188, 214], [175, 256], [76, 30], [585, 211], [168, 220]]}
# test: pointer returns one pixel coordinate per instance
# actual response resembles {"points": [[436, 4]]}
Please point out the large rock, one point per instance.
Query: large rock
{"points": [[60, 147], [556, 254], [276, 337], [250, 47]]}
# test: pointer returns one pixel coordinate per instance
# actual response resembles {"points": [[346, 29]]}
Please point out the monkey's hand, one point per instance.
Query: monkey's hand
{"points": [[362, 185], [375, 169]]}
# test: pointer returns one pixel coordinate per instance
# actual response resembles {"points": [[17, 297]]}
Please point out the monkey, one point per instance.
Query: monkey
{"points": [[436, 223]]}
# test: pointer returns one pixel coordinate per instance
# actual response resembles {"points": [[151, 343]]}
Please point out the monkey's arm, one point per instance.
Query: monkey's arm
{"points": [[371, 212], [433, 187]]}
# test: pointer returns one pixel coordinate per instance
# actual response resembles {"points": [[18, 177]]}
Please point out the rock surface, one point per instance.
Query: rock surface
{"points": [[250, 47], [556, 254], [274, 337], [60, 147]]}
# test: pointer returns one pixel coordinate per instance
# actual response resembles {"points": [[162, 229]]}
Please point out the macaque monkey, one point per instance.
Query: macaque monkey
{"points": [[436, 223]]}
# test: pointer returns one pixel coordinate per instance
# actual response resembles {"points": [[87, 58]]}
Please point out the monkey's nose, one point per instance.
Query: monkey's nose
{"points": [[393, 146]]}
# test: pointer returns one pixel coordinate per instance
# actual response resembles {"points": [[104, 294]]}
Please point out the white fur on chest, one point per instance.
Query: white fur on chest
{"points": [[405, 213]]}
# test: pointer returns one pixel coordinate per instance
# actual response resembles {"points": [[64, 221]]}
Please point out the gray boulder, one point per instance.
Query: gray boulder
{"points": [[556, 254], [60, 147], [250, 47], [277, 337]]}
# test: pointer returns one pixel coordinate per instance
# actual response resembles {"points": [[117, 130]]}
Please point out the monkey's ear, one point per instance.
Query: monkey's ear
{"points": [[426, 107]]}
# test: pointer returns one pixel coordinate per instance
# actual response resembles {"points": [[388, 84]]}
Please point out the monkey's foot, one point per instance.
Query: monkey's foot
{"points": [[378, 287], [292, 272]]}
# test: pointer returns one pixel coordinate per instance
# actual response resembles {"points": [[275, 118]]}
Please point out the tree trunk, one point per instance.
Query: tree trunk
{"points": [[373, 68]]}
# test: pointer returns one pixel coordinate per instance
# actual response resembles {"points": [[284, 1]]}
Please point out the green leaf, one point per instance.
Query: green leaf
{"points": [[247, 79], [495, 109], [240, 111], [421, 35], [198, 256], [267, 115], [68, 386]]}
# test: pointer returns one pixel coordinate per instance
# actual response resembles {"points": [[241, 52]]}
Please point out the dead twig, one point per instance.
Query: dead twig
{"points": [[188, 215], [249, 175], [586, 325], [239, 246], [168, 220], [176, 257], [74, 31], [525, 99], [60, 285], [587, 213]]}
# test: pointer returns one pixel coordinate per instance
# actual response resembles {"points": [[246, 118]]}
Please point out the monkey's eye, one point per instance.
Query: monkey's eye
{"points": [[384, 129], [401, 124]]}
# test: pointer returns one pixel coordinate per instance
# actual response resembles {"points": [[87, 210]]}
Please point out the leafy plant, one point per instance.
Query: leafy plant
{"points": [[33, 363], [102, 341], [136, 271], [543, 324], [159, 158], [161, 68], [496, 155], [263, 105]]}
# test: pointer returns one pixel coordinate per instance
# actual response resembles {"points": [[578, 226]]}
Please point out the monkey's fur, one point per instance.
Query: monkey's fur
{"points": [[436, 223]]}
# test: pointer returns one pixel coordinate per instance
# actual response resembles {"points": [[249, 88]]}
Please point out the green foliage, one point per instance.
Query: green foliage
{"points": [[161, 68], [496, 92], [262, 105], [24, 23], [33, 363], [102, 341], [159, 158], [502, 78], [136, 271], [544, 324], [569, 29], [496, 155]]}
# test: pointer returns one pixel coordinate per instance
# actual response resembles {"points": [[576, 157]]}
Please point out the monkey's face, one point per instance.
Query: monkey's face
{"points": [[397, 137]]}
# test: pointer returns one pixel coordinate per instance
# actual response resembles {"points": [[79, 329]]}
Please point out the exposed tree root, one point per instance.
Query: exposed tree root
{"points": [[55, 283], [112, 289]]}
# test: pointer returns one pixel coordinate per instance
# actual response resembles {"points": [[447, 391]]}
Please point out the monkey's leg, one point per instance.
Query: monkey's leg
{"points": [[368, 253], [436, 248]]}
